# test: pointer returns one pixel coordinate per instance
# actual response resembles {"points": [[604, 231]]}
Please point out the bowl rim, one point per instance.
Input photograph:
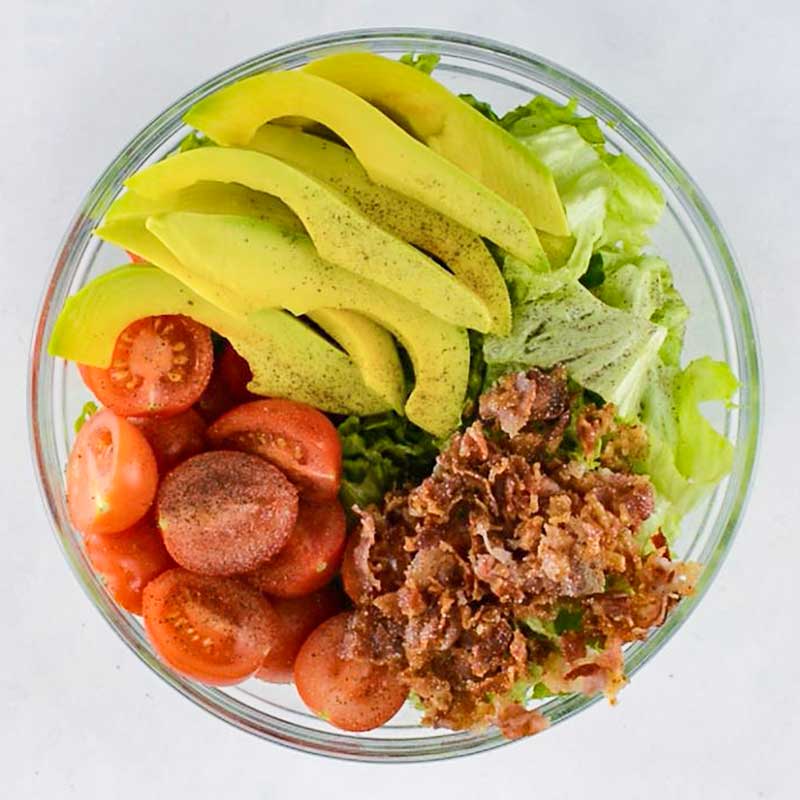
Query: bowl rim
{"points": [[658, 158]]}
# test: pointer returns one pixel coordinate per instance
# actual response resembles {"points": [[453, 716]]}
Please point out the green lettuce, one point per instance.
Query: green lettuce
{"points": [[686, 456], [604, 349], [424, 62], [89, 409], [542, 113], [380, 453]]}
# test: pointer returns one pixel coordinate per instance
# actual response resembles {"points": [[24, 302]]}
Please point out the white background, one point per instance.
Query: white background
{"points": [[717, 714]]}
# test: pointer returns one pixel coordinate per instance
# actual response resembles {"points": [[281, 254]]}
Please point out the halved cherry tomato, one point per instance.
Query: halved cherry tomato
{"points": [[352, 694], [295, 437], [297, 617], [225, 513], [111, 475], [216, 630], [353, 585], [216, 398], [160, 366], [310, 557], [236, 374], [173, 439], [128, 561]]}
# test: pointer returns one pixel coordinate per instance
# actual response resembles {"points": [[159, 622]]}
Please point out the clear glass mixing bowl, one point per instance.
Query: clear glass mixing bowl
{"points": [[689, 237]]}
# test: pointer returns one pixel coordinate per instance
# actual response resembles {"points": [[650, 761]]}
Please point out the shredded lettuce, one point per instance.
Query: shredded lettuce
{"points": [[424, 62], [481, 106], [89, 408], [542, 113], [380, 453]]}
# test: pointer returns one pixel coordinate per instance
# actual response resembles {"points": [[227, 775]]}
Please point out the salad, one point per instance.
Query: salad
{"points": [[389, 400]]}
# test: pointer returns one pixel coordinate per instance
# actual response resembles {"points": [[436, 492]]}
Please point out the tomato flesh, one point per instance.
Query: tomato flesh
{"points": [[297, 618], [225, 513], [310, 557], [352, 694], [160, 366], [173, 439], [128, 561], [213, 629], [111, 475], [295, 437]]}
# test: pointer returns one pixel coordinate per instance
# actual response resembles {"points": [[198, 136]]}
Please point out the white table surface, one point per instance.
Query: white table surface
{"points": [[717, 714]]}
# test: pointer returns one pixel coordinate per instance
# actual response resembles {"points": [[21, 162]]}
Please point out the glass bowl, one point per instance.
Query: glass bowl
{"points": [[689, 237]]}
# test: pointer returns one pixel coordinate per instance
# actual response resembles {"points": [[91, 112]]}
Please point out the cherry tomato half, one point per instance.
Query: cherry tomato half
{"points": [[111, 475], [225, 513], [311, 555], [160, 366], [216, 630], [352, 694], [236, 374], [295, 437], [297, 617], [173, 439], [128, 561]]}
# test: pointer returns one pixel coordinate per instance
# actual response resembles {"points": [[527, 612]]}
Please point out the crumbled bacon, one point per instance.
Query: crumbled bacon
{"points": [[506, 530]]}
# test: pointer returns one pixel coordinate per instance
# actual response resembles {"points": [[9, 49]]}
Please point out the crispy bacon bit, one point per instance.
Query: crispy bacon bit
{"points": [[503, 531], [592, 424], [515, 721], [526, 397]]}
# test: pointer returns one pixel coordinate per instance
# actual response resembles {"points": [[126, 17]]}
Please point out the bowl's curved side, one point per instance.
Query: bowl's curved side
{"points": [[463, 55]]}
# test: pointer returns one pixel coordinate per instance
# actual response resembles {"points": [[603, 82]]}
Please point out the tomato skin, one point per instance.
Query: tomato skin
{"points": [[225, 512], [215, 399], [295, 437], [111, 475], [128, 561], [298, 618], [236, 374], [353, 694], [160, 367], [311, 555], [173, 439], [212, 629]]}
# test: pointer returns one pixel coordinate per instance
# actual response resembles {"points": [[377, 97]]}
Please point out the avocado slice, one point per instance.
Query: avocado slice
{"points": [[393, 158], [462, 251], [287, 358], [208, 197], [452, 128], [341, 233], [242, 264], [369, 345]]}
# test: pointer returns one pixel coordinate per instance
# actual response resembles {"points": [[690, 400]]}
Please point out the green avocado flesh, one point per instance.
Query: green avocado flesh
{"points": [[449, 126], [391, 157], [287, 358], [463, 252], [369, 345], [242, 264], [340, 232]]}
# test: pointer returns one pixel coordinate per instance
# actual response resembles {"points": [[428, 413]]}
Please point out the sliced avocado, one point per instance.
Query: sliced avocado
{"points": [[451, 127], [462, 251], [287, 358], [244, 264], [208, 197], [341, 233], [369, 345], [393, 158]]}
